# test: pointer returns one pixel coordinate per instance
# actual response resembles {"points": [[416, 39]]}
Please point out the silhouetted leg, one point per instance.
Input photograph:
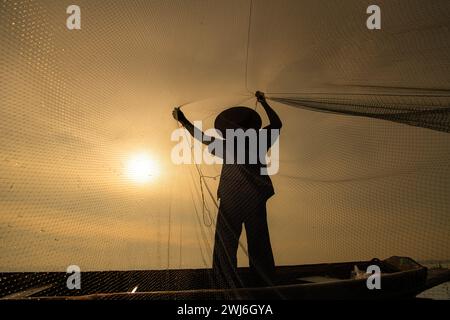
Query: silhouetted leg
{"points": [[228, 231], [260, 254]]}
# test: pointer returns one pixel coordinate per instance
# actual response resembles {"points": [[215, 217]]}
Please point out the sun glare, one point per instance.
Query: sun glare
{"points": [[141, 168]]}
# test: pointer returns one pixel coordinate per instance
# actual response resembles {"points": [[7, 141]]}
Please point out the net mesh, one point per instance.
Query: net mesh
{"points": [[76, 105]]}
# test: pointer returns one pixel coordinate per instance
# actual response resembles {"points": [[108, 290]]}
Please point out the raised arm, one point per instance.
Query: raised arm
{"points": [[194, 131], [275, 122]]}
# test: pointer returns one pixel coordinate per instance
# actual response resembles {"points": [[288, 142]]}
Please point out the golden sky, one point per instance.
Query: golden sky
{"points": [[77, 106]]}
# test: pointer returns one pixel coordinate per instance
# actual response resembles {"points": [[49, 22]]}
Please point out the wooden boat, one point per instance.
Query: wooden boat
{"points": [[401, 277]]}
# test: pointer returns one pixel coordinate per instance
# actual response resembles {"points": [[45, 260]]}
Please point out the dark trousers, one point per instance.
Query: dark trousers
{"points": [[233, 213]]}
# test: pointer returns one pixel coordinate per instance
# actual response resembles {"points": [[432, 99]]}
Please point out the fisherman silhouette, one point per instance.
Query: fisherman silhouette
{"points": [[243, 192]]}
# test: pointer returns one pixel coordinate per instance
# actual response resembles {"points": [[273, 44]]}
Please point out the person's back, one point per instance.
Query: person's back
{"points": [[243, 179]]}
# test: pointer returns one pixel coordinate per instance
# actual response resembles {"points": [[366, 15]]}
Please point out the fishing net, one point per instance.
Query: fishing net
{"points": [[364, 157]]}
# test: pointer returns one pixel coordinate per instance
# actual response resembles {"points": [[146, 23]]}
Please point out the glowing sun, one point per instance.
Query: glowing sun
{"points": [[141, 168]]}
